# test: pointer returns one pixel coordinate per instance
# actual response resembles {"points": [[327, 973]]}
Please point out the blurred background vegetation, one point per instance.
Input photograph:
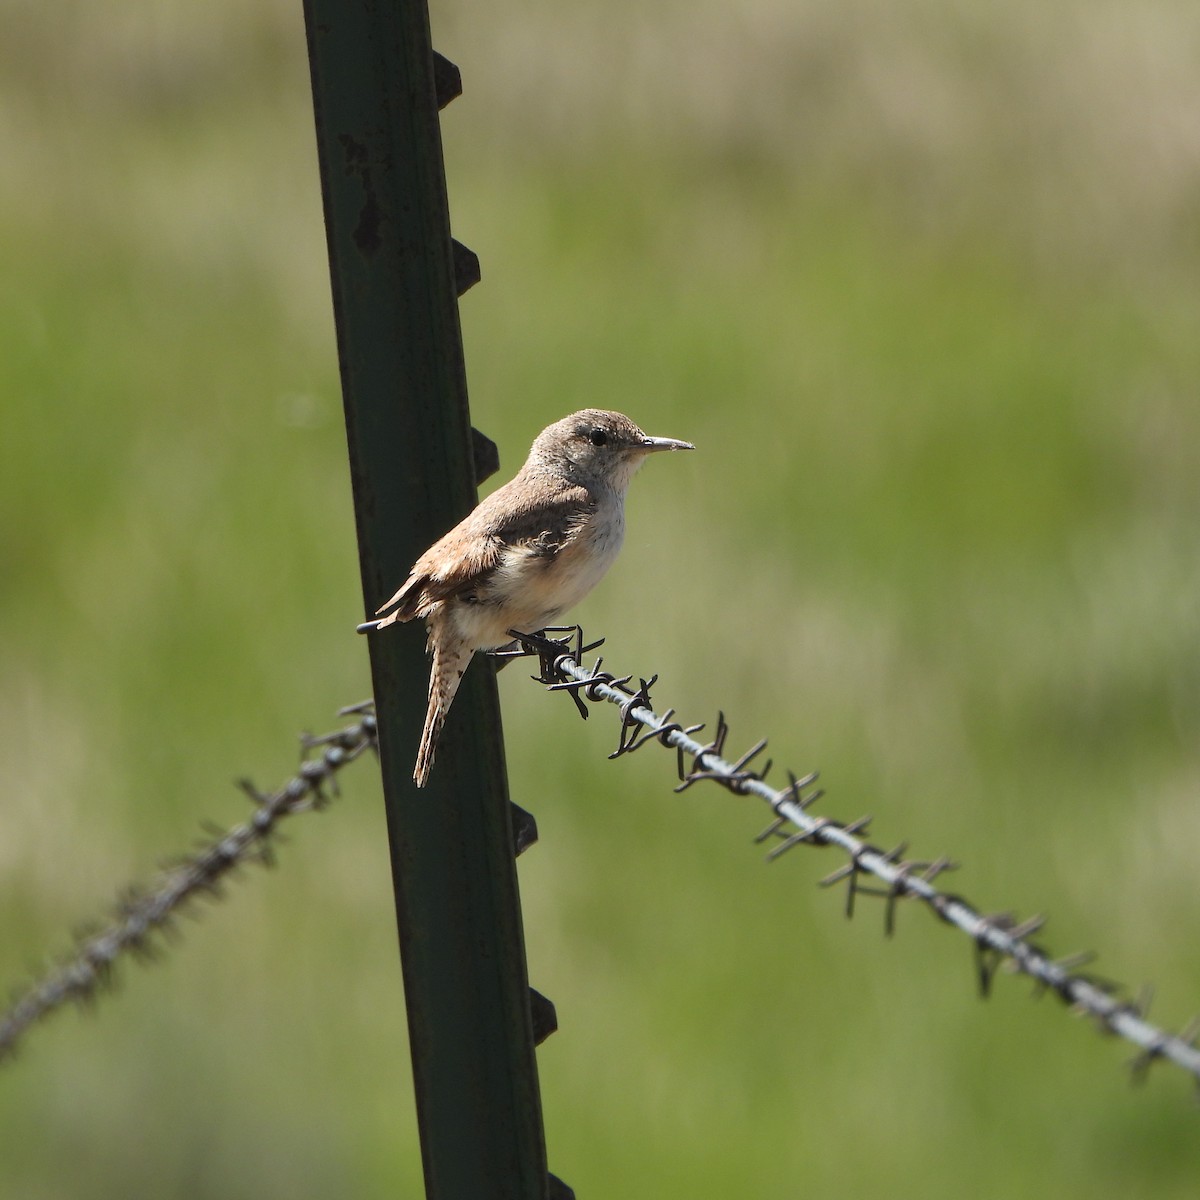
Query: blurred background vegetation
{"points": [[919, 279]]}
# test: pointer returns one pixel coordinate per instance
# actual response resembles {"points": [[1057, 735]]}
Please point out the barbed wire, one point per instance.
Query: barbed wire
{"points": [[143, 915], [998, 938]]}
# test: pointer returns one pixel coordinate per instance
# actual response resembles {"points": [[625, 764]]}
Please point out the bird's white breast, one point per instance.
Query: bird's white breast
{"points": [[581, 565], [529, 591]]}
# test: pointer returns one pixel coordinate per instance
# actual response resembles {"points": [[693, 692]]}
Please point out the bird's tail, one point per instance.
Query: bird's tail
{"points": [[449, 663]]}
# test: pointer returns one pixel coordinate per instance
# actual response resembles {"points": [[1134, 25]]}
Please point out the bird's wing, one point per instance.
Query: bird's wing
{"points": [[543, 520], [400, 597], [546, 522]]}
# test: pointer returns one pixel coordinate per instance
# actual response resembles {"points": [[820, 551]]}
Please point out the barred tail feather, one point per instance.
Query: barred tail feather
{"points": [[449, 663], [434, 720]]}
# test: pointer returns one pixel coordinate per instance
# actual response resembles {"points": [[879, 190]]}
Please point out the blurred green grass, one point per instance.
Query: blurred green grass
{"points": [[919, 282]]}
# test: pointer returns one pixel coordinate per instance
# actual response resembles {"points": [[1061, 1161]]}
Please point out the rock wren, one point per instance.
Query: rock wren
{"points": [[531, 550]]}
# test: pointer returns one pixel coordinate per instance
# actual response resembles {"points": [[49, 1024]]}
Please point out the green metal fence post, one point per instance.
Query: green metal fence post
{"points": [[376, 86]]}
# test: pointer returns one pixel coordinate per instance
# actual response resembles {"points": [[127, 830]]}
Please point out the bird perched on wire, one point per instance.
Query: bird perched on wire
{"points": [[526, 554]]}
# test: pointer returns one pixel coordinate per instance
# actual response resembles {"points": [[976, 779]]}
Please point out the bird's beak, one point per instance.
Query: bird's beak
{"points": [[650, 445]]}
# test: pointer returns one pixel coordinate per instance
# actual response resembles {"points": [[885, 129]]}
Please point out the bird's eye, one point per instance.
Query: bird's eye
{"points": [[598, 437]]}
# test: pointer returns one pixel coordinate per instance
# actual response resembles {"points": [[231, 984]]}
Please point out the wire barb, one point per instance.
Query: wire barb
{"points": [[630, 722]]}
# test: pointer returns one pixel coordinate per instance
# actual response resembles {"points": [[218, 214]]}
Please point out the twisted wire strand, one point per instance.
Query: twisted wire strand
{"points": [[142, 913], [998, 938]]}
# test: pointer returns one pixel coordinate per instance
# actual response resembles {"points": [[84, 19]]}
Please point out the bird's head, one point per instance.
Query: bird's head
{"points": [[597, 447]]}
